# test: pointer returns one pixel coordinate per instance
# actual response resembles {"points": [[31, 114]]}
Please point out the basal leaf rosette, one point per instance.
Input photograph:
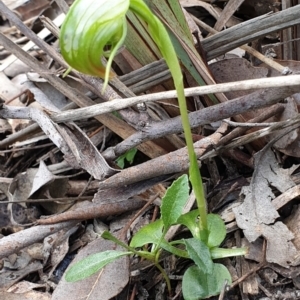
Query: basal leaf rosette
{"points": [[93, 29]]}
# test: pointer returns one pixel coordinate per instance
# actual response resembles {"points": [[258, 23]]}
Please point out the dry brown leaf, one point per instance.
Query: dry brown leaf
{"points": [[56, 246], [10, 277], [236, 69], [84, 153], [24, 287], [103, 285], [257, 216], [293, 223], [32, 295], [289, 143]]}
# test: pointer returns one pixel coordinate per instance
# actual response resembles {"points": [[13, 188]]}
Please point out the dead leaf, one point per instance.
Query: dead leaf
{"points": [[84, 153], [293, 223], [207, 6], [103, 285], [8, 278], [56, 246], [42, 177], [24, 286], [235, 69], [257, 216], [19, 190], [290, 142], [32, 295]]}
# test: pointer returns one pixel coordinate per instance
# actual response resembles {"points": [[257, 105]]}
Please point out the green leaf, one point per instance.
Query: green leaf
{"points": [[91, 264], [216, 227], [151, 233], [174, 201], [127, 156], [197, 284], [190, 220], [200, 254], [217, 230]]}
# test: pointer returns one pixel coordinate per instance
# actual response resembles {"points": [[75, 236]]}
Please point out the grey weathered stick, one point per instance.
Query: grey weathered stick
{"points": [[15, 242], [248, 31], [116, 104], [258, 99], [173, 162]]}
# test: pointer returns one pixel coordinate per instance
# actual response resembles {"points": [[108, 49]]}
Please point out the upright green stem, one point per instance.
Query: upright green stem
{"points": [[162, 39]]}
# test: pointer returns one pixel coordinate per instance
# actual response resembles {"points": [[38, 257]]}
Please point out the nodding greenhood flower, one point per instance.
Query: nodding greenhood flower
{"points": [[92, 29]]}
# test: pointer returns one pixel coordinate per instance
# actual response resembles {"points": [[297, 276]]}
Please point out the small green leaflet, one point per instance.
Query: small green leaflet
{"points": [[190, 220], [174, 201], [216, 229], [127, 156]]}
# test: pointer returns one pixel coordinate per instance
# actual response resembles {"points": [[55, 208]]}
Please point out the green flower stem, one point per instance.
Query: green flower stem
{"points": [[162, 39]]}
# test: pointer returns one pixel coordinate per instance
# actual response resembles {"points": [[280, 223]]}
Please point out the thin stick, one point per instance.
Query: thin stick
{"points": [[116, 104], [268, 61]]}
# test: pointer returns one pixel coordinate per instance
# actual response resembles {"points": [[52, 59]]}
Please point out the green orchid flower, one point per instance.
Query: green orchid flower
{"points": [[96, 28], [92, 29]]}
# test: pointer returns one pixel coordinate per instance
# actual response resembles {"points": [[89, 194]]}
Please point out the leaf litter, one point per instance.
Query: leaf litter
{"points": [[48, 174], [258, 217]]}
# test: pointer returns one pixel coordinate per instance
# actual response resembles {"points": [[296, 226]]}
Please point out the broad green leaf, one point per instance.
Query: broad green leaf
{"points": [[197, 284], [174, 201], [92, 263], [190, 220], [130, 155], [150, 233], [216, 227], [127, 156], [222, 253], [200, 254], [153, 234], [217, 230]]}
